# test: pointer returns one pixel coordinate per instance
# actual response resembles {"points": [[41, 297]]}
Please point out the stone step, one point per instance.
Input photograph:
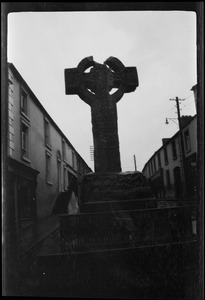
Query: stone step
{"points": [[111, 229], [116, 205]]}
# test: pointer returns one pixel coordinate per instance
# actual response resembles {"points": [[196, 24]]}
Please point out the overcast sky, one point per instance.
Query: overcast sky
{"points": [[162, 45]]}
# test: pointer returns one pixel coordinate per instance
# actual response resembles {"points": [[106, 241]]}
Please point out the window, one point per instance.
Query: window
{"points": [[187, 140], [24, 141], [73, 159], [59, 170], [64, 178], [48, 168], [149, 169], [24, 103], [174, 151], [168, 179], [81, 167], [165, 156], [64, 150], [159, 160], [47, 133], [68, 177], [150, 164], [154, 164], [59, 174]]}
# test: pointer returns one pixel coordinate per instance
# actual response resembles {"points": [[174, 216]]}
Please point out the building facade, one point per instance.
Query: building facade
{"points": [[170, 175], [40, 157]]}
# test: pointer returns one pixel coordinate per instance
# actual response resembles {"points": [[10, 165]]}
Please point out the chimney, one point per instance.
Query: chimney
{"points": [[165, 140], [185, 120]]}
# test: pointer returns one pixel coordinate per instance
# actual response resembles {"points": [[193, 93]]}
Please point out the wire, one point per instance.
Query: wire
{"points": [[188, 104], [150, 117], [188, 97]]}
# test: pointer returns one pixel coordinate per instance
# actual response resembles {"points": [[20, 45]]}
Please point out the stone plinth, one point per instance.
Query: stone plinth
{"points": [[114, 186]]}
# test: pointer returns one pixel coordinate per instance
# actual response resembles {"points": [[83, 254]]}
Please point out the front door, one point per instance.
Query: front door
{"points": [[24, 194]]}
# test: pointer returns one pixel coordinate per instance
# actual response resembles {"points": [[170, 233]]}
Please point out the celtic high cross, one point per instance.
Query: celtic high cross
{"points": [[94, 87]]}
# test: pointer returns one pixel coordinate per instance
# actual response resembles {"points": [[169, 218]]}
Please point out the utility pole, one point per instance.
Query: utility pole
{"points": [[135, 163], [181, 145]]}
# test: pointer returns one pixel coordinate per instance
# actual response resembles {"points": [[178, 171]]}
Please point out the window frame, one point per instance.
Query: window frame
{"points": [[73, 159], [151, 167], [159, 160], [64, 150], [166, 161], [174, 150], [187, 143], [47, 134], [64, 177], [25, 145], [168, 179], [154, 164], [48, 168], [24, 109]]}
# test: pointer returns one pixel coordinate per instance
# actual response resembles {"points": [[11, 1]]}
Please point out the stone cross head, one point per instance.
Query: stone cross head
{"points": [[93, 83]]}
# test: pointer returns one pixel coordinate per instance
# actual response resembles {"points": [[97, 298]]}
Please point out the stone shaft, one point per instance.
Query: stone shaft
{"points": [[105, 135], [94, 88]]}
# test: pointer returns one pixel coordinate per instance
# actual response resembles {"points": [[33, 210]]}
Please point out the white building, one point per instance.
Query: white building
{"points": [[168, 175], [39, 159]]}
